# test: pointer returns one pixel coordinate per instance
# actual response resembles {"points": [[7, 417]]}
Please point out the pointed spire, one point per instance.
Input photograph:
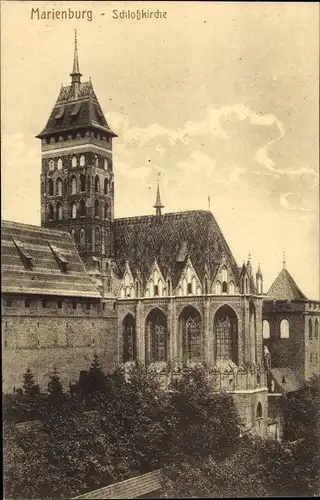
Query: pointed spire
{"points": [[75, 75], [158, 205], [284, 260], [259, 273]]}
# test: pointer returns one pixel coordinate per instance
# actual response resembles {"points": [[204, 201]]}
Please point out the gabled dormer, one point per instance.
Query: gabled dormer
{"points": [[224, 281], [127, 289], [156, 285], [189, 282]]}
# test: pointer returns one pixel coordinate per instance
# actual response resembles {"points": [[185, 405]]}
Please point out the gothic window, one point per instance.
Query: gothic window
{"points": [[96, 161], [82, 183], [169, 287], [224, 287], [265, 329], [74, 161], [156, 291], [206, 285], [284, 329], [97, 238], [82, 208], [127, 293], [82, 161], [73, 184], [310, 329], [129, 339], [226, 334], [316, 329], [112, 188], [137, 289], [190, 328], [73, 210], [51, 165], [50, 186], [218, 287], [253, 331], [50, 210], [156, 337], [59, 211], [106, 186], [189, 289], [259, 410], [231, 287], [96, 208], [73, 233], [97, 184], [60, 165], [105, 164], [82, 237], [65, 187], [107, 214], [59, 186]]}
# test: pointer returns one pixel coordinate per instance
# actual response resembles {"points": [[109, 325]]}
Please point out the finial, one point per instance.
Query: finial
{"points": [[158, 205], [284, 260], [75, 75]]}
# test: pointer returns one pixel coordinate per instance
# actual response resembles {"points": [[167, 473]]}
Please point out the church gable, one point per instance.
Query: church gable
{"points": [[225, 280], [189, 283], [156, 285], [127, 288]]}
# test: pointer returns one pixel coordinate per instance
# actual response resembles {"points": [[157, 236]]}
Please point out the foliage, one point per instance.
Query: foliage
{"points": [[30, 389], [55, 388]]}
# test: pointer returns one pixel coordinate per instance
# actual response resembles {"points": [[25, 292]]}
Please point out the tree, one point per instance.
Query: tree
{"points": [[30, 389], [55, 388], [93, 383]]}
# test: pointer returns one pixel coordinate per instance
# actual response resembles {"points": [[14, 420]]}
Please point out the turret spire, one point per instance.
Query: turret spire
{"points": [[75, 75], [284, 260], [158, 205]]}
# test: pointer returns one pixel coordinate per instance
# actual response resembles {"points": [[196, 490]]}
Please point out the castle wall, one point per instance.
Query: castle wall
{"points": [[65, 338]]}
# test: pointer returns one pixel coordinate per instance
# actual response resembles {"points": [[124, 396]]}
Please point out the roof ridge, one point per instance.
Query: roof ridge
{"points": [[20, 225]]}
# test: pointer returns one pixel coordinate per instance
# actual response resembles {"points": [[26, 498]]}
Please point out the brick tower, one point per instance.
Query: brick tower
{"points": [[77, 182]]}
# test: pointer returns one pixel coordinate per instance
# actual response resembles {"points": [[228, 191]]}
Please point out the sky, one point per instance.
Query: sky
{"points": [[217, 100]]}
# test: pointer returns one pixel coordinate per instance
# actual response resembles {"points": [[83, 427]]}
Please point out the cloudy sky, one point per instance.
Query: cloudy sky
{"points": [[221, 99]]}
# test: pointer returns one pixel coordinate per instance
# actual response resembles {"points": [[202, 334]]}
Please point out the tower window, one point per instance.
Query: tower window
{"points": [[97, 184], [107, 211], [82, 161], [73, 233], [50, 209], [60, 165], [50, 187], [310, 329], [96, 159], [51, 165], [74, 161], [105, 164], [82, 183], [73, 184], [284, 329], [106, 246], [106, 186], [59, 187], [73, 210], [96, 208], [59, 211], [316, 329], [82, 237], [82, 208]]}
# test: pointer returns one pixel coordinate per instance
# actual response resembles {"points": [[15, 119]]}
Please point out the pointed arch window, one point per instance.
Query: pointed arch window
{"points": [[97, 239], [96, 208], [82, 183], [156, 336], [82, 237], [50, 211], [105, 164], [265, 329], [73, 233], [224, 274], [97, 184], [224, 287], [59, 211], [73, 184], [231, 287], [74, 161], [205, 286], [82, 161], [106, 186], [82, 208], [310, 329], [190, 328], [59, 185], [316, 329], [51, 165], [189, 289], [112, 188], [129, 338], [226, 334], [284, 329], [50, 187], [107, 214], [218, 287], [73, 210], [65, 184], [259, 410], [106, 242], [168, 287], [60, 164]]}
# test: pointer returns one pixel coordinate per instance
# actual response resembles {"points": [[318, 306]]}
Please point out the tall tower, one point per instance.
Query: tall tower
{"points": [[77, 182]]}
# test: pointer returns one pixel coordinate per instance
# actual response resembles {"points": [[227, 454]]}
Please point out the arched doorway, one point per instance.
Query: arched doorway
{"points": [[226, 335], [129, 338], [191, 335], [156, 337]]}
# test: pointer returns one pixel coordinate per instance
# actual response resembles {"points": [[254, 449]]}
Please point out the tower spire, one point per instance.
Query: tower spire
{"points": [[158, 205], [284, 260], [75, 75]]}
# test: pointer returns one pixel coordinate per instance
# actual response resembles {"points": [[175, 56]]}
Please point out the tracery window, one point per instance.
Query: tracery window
{"points": [[156, 341], [226, 335], [190, 322], [129, 339]]}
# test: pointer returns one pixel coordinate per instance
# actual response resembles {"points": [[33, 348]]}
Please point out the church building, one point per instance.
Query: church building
{"points": [[163, 289]]}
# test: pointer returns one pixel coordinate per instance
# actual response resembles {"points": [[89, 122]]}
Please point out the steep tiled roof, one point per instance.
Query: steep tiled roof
{"points": [[285, 288], [71, 114], [169, 240], [286, 379], [42, 261]]}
